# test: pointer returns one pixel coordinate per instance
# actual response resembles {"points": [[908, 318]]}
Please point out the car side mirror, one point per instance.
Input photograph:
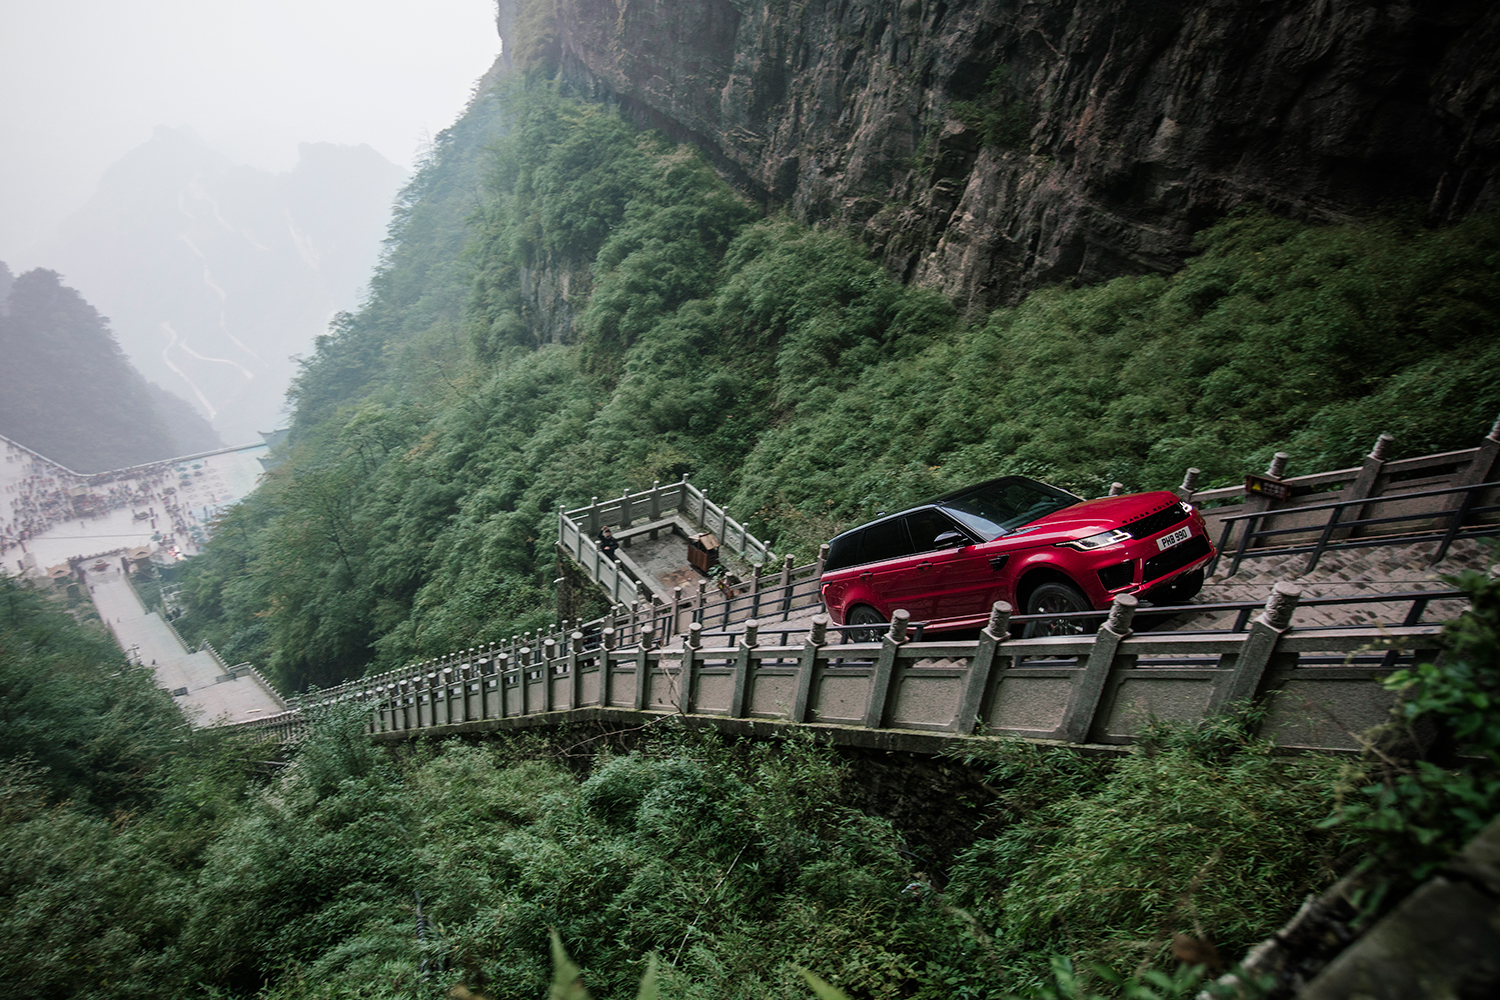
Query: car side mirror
{"points": [[949, 539]]}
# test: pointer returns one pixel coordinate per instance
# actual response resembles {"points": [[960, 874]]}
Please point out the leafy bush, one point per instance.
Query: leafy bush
{"points": [[1198, 831], [1433, 781]]}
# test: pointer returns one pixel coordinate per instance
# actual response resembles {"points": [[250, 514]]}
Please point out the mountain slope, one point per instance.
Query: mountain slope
{"points": [[989, 148], [68, 392], [215, 275]]}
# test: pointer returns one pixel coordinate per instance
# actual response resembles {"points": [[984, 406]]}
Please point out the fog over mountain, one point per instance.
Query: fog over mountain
{"points": [[67, 391], [215, 275]]}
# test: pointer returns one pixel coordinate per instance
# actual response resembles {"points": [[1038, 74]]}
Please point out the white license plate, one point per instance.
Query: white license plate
{"points": [[1175, 538]]}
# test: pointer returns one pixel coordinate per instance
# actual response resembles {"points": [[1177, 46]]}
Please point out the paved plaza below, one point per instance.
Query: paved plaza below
{"points": [[59, 523]]}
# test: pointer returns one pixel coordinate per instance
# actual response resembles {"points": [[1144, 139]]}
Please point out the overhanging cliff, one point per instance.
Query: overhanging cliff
{"points": [[988, 148]]}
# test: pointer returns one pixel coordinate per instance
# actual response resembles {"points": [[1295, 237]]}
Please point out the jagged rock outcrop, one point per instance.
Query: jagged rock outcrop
{"points": [[1112, 131]]}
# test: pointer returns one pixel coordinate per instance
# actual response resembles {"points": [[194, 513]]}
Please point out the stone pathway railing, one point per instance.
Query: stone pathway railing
{"points": [[1317, 685]]}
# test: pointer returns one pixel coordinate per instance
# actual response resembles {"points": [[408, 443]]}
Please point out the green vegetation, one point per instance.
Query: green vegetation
{"points": [[183, 862], [568, 307], [1434, 781], [999, 113]]}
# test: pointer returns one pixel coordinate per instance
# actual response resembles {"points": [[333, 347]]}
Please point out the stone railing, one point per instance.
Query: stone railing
{"points": [[773, 587], [643, 620], [1318, 685]]}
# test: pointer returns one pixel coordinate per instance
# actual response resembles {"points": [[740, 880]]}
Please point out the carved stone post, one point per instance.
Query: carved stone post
{"points": [[575, 672], [786, 586], [884, 674], [807, 667], [1485, 468], [1266, 630], [548, 656], [1362, 487], [742, 669], [688, 675], [1083, 700], [502, 674], [976, 685], [642, 676]]}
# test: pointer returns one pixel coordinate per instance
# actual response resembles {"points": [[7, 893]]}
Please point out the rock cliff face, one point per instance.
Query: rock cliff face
{"points": [[989, 147]]}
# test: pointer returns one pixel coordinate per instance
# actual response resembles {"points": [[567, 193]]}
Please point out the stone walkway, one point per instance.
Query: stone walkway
{"points": [[213, 696], [1349, 573]]}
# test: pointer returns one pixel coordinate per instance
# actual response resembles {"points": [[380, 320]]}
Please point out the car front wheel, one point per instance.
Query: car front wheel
{"points": [[1053, 599]]}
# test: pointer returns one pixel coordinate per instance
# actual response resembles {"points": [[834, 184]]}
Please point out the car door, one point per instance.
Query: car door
{"points": [[885, 550], [952, 582]]}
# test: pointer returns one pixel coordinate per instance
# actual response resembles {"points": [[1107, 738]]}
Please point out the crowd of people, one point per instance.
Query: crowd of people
{"points": [[43, 495]]}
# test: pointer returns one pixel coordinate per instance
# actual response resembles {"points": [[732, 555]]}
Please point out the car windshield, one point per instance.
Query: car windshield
{"points": [[1002, 505]]}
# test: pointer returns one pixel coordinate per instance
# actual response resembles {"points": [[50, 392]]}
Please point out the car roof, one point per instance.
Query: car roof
{"points": [[956, 494], [941, 501]]}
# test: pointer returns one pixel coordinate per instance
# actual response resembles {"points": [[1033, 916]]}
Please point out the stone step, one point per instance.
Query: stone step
{"points": [[1340, 573]]}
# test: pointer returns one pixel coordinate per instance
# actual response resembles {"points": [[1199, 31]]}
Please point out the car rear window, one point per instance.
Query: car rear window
{"points": [[843, 551], [996, 507], [882, 540]]}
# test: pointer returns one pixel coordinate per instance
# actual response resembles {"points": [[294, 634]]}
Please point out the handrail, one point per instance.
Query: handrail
{"points": [[1361, 501], [1457, 517], [999, 684], [1115, 680]]}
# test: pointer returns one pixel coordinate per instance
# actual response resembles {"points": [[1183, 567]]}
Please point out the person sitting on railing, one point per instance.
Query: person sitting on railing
{"points": [[608, 543]]}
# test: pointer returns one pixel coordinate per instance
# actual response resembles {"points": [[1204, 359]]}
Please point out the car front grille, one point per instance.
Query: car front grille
{"points": [[1155, 524], [1174, 558]]}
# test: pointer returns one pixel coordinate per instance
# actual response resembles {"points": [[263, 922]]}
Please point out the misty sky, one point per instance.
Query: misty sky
{"points": [[84, 81]]}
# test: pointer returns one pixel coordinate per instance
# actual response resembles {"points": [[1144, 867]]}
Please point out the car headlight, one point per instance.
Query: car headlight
{"points": [[1100, 541]]}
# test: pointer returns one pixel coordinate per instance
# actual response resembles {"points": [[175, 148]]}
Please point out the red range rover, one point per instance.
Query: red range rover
{"points": [[1014, 539]]}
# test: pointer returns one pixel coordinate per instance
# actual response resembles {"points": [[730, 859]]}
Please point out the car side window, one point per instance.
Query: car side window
{"points": [[885, 540], [925, 526]]}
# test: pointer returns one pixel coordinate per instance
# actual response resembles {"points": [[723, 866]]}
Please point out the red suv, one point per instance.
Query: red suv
{"points": [[1014, 539]]}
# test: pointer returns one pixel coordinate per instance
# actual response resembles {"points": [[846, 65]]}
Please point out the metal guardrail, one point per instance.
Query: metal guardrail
{"points": [[1457, 517], [1417, 603]]}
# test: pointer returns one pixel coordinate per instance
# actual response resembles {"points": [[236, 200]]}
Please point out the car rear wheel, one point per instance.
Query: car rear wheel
{"points": [[864, 615], [1055, 598]]}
